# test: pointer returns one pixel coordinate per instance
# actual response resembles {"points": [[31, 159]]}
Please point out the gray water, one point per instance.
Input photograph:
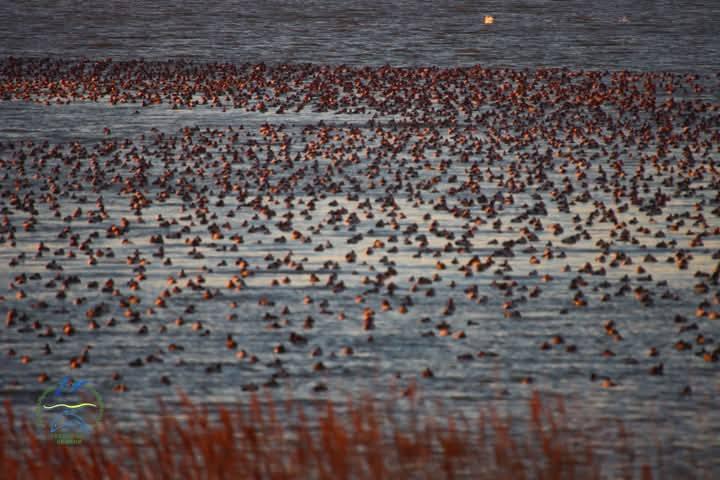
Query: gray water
{"points": [[642, 35], [645, 35]]}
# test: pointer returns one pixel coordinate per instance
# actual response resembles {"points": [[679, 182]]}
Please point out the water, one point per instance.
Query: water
{"points": [[645, 36]]}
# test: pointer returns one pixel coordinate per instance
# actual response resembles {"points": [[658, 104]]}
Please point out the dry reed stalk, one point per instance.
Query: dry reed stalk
{"points": [[365, 443]]}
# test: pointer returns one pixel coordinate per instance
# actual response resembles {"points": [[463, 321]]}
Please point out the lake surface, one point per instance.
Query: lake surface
{"points": [[648, 36], [645, 35]]}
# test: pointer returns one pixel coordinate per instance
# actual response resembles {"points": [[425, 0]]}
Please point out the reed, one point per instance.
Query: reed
{"points": [[286, 440]]}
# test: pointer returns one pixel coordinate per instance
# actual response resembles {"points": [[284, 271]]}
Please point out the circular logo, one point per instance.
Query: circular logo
{"points": [[69, 411]]}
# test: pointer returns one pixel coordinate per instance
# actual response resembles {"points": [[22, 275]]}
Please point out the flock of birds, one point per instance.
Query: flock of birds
{"points": [[461, 200]]}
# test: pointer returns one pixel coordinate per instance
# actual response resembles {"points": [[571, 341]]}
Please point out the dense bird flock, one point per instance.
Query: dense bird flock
{"points": [[547, 220]]}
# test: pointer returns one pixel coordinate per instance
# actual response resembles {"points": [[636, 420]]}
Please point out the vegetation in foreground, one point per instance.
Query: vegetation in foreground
{"points": [[265, 439]]}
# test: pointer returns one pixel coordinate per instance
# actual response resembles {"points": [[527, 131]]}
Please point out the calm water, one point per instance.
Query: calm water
{"points": [[641, 35], [646, 34]]}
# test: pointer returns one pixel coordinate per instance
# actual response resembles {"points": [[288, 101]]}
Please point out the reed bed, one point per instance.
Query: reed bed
{"points": [[364, 439]]}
